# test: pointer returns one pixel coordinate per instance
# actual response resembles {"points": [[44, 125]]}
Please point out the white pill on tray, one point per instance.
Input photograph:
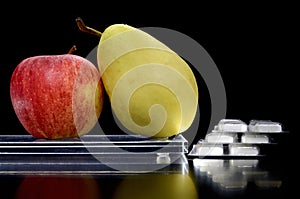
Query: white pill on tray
{"points": [[207, 149], [232, 125], [243, 150], [218, 137], [264, 126], [254, 138]]}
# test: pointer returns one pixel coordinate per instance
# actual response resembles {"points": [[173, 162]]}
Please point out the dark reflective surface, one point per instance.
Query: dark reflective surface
{"points": [[237, 178], [48, 187], [205, 178]]}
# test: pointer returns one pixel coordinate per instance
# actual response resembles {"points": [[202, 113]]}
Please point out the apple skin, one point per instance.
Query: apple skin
{"points": [[57, 96]]}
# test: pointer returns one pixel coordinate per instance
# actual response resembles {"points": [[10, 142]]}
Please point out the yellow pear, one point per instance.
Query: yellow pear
{"points": [[152, 90]]}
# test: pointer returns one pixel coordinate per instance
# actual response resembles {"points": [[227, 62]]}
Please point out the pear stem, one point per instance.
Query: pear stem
{"points": [[72, 49], [86, 29]]}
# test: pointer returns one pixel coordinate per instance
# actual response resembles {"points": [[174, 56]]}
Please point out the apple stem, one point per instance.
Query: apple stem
{"points": [[87, 29], [72, 49]]}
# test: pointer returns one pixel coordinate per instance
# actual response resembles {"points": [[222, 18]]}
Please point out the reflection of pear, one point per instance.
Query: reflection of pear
{"points": [[175, 186], [46, 187], [153, 91]]}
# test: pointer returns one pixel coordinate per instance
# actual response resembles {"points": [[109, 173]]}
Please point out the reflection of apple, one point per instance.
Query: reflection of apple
{"points": [[57, 96], [157, 186], [54, 187]]}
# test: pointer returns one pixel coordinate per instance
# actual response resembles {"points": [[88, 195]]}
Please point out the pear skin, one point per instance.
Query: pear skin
{"points": [[152, 90]]}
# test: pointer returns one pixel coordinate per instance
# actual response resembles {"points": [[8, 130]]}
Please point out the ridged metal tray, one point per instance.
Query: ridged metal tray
{"points": [[92, 154]]}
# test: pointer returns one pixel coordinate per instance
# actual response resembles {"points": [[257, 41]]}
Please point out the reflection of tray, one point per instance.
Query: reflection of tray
{"points": [[21, 154]]}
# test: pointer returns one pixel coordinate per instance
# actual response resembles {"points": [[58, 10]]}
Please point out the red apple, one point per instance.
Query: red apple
{"points": [[57, 96]]}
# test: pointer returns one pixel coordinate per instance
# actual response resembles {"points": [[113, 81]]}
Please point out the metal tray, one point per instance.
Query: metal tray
{"points": [[92, 154]]}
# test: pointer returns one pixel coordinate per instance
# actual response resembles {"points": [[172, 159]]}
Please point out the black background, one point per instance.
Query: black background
{"points": [[253, 45]]}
